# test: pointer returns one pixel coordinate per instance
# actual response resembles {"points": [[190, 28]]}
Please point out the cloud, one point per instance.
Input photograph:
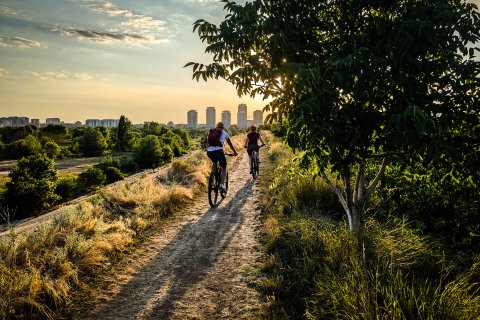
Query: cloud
{"points": [[3, 73], [132, 29], [104, 37], [19, 43], [63, 75], [7, 11]]}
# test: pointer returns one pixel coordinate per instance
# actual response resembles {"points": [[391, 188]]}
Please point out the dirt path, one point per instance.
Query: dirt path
{"points": [[200, 265]]}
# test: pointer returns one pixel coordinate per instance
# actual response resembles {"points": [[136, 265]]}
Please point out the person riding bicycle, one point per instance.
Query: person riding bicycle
{"points": [[216, 138], [251, 143]]}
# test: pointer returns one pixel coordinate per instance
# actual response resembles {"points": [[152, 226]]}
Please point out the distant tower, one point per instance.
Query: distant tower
{"points": [[258, 117], [192, 118], [242, 115], [227, 118], [211, 123]]}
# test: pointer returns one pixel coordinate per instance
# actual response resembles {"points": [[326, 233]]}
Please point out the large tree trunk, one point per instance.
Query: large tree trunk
{"points": [[353, 197]]}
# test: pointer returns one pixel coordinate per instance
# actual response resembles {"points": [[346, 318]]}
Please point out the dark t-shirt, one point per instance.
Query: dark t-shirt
{"points": [[253, 137]]}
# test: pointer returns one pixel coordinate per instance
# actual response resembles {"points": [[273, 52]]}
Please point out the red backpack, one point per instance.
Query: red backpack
{"points": [[214, 137]]}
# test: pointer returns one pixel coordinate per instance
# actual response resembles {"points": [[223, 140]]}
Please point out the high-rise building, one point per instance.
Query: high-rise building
{"points": [[211, 122], [35, 122], [52, 121], [92, 123], [110, 123], [14, 121], [192, 118], [258, 117], [242, 115], [227, 118]]}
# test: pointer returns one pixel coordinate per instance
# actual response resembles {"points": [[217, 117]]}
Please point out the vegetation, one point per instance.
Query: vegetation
{"points": [[58, 141], [395, 268], [356, 82], [45, 273], [32, 186]]}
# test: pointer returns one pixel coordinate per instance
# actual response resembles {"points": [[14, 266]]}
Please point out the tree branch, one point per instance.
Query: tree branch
{"points": [[339, 194], [375, 181]]}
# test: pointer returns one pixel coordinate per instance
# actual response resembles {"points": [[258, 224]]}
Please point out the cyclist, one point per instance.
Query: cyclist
{"points": [[251, 143], [216, 138]]}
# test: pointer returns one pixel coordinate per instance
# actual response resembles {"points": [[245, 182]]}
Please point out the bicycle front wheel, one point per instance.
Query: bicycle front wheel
{"points": [[213, 186]]}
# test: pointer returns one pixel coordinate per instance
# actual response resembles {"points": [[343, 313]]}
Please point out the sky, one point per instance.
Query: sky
{"points": [[99, 59], [84, 59]]}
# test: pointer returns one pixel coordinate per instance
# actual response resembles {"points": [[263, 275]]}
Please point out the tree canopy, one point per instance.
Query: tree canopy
{"points": [[354, 81]]}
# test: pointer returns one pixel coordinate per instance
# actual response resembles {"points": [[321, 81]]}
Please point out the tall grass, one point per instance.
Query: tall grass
{"points": [[318, 269], [42, 273]]}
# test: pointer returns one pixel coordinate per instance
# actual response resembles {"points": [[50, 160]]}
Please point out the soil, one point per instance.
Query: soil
{"points": [[201, 264]]}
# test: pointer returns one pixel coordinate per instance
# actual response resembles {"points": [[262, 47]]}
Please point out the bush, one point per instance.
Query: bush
{"points": [[51, 149], [149, 154], [66, 187], [127, 164], [91, 179], [32, 185], [113, 174], [92, 143]]}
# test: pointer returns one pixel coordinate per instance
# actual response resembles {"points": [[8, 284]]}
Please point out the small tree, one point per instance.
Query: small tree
{"points": [[124, 137], [91, 179], [32, 185], [149, 153], [356, 82], [92, 143], [51, 149], [56, 132]]}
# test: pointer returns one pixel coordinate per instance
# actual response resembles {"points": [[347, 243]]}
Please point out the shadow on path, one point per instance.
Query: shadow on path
{"points": [[155, 288]]}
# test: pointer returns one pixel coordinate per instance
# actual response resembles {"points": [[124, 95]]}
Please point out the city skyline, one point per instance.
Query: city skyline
{"points": [[82, 59]]}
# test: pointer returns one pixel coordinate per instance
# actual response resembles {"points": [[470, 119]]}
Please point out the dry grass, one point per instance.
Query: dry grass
{"points": [[42, 272]]}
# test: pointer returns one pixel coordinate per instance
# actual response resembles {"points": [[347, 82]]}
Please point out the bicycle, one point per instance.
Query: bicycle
{"points": [[255, 163], [214, 184]]}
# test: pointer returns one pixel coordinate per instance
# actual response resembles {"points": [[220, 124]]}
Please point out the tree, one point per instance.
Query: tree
{"points": [[51, 149], [355, 82], [149, 153], [91, 179], [92, 143], [124, 137], [56, 132], [32, 185]]}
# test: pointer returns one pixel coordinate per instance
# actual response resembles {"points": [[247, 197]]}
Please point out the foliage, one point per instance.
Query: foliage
{"points": [[33, 178], [124, 137], [354, 80], [317, 269], [11, 134], [113, 174], [66, 187], [149, 154], [92, 143], [56, 132], [22, 148], [91, 179], [127, 164], [51, 149]]}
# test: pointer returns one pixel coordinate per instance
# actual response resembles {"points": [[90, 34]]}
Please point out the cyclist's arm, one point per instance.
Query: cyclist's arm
{"points": [[246, 143], [260, 138], [231, 146]]}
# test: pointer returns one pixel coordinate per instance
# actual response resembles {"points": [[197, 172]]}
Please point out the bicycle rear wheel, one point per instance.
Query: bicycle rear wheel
{"points": [[224, 193], [213, 186], [254, 165]]}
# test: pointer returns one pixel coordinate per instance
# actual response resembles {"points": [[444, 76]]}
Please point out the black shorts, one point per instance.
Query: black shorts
{"points": [[218, 155], [252, 147]]}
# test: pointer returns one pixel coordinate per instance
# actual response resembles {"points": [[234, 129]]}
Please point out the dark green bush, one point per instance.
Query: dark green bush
{"points": [[66, 187], [91, 179], [113, 174]]}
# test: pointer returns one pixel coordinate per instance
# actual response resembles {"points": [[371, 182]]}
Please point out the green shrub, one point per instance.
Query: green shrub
{"points": [[127, 164], [66, 187], [32, 185], [113, 174], [149, 153], [51, 149], [91, 179]]}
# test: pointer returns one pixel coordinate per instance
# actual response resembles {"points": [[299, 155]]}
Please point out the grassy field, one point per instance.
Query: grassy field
{"points": [[318, 269]]}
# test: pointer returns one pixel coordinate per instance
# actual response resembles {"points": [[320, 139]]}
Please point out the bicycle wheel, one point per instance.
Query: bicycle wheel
{"points": [[254, 165], [213, 186], [224, 193]]}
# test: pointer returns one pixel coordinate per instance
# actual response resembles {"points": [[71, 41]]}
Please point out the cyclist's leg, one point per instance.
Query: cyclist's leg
{"points": [[249, 151], [223, 165], [213, 157]]}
